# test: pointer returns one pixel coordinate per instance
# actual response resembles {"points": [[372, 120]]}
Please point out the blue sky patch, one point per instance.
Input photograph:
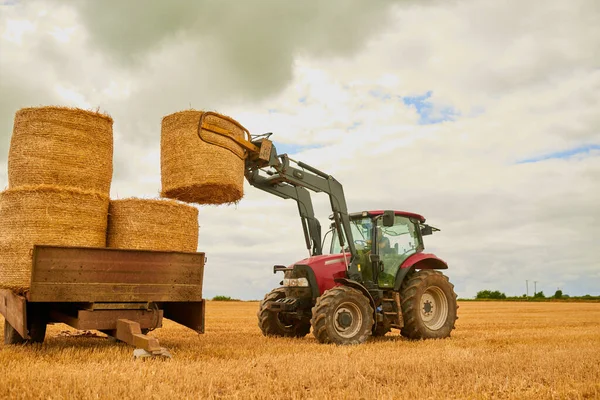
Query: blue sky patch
{"points": [[379, 94], [581, 150], [284, 148], [424, 107]]}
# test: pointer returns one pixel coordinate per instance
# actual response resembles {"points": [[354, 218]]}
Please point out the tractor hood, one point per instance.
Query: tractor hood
{"points": [[326, 269]]}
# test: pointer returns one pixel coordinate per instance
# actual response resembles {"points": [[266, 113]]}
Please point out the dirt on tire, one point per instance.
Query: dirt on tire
{"points": [[271, 324], [413, 288], [323, 314]]}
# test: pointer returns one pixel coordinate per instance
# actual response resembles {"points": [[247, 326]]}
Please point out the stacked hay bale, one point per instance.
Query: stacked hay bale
{"points": [[61, 146], [50, 215], [60, 168], [59, 171], [152, 225], [199, 165]]}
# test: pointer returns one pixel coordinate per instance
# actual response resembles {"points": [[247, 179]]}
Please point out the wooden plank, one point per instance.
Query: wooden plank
{"points": [[118, 306], [102, 265], [14, 309], [112, 292], [107, 319], [190, 314], [129, 332], [145, 342], [83, 274]]}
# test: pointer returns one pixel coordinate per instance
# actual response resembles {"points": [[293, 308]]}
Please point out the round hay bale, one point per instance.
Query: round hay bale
{"points": [[47, 215], [142, 224], [63, 147], [196, 171]]}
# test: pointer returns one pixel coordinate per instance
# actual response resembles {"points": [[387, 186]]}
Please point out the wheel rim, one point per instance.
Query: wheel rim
{"points": [[347, 320], [434, 308]]}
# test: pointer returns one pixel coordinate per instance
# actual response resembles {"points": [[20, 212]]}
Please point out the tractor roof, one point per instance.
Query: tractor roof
{"points": [[374, 213]]}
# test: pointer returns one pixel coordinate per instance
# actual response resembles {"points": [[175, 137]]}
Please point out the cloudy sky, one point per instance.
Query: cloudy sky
{"points": [[482, 115]]}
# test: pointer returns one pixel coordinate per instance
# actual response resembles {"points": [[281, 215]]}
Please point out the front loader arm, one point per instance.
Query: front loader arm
{"points": [[288, 181], [310, 225]]}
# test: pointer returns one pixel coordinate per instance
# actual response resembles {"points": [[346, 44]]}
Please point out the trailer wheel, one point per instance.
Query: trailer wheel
{"points": [[342, 315], [11, 336], [428, 305], [37, 319], [275, 324], [37, 332]]}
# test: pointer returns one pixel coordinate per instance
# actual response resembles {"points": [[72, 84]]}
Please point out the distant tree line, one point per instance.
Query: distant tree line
{"points": [[224, 298], [558, 295]]}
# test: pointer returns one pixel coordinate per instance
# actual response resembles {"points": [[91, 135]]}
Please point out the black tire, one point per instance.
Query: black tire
{"points": [[37, 319], [272, 323], [428, 305], [342, 302], [37, 331]]}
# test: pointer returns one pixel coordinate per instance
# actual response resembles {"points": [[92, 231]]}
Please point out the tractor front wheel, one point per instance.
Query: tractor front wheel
{"points": [[276, 324], [342, 315], [428, 305]]}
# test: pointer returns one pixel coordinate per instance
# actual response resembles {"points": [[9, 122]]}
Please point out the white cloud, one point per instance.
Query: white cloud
{"points": [[72, 97], [522, 79], [14, 30]]}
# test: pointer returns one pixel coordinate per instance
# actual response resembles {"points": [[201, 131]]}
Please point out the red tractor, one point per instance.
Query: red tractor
{"points": [[376, 275], [400, 286]]}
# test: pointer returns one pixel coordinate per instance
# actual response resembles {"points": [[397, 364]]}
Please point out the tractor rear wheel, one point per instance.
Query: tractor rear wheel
{"points": [[428, 305], [342, 315], [275, 324]]}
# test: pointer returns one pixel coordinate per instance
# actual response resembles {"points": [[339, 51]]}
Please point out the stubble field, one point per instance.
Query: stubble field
{"points": [[498, 350]]}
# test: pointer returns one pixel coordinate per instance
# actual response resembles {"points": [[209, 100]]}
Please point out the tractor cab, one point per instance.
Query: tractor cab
{"points": [[388, 242]]}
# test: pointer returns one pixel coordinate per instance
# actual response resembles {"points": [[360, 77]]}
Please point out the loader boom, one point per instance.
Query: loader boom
{"points": [[290, 179]]}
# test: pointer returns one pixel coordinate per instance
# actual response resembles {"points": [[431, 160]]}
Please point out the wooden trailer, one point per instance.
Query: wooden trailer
{"points": [[123, 293]]}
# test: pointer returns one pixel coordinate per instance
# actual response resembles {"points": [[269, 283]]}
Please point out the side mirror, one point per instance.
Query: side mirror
{"points": [[388, 218], [426, 230]]}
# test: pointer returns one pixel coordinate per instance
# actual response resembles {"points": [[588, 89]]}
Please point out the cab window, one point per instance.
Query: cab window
{"points": [[396, 243]]}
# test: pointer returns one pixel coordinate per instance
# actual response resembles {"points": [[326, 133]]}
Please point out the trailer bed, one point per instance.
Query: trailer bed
{"points": [[83, 274], [107, 290]]}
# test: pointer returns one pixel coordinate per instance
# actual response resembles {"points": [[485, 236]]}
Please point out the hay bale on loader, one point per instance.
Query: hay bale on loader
{"points": [[199, 165], [143, 224], [61, 146], [46, 215]]}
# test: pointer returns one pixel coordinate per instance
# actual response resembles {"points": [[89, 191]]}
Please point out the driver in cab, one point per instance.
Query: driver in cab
{"points": [[383, 243]]}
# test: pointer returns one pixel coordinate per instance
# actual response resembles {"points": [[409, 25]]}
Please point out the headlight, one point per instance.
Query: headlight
{"points": [[295, 282]]}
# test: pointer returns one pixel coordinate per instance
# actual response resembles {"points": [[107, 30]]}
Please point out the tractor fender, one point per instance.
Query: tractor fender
{"points": [[418, 261], [358, 286]]}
